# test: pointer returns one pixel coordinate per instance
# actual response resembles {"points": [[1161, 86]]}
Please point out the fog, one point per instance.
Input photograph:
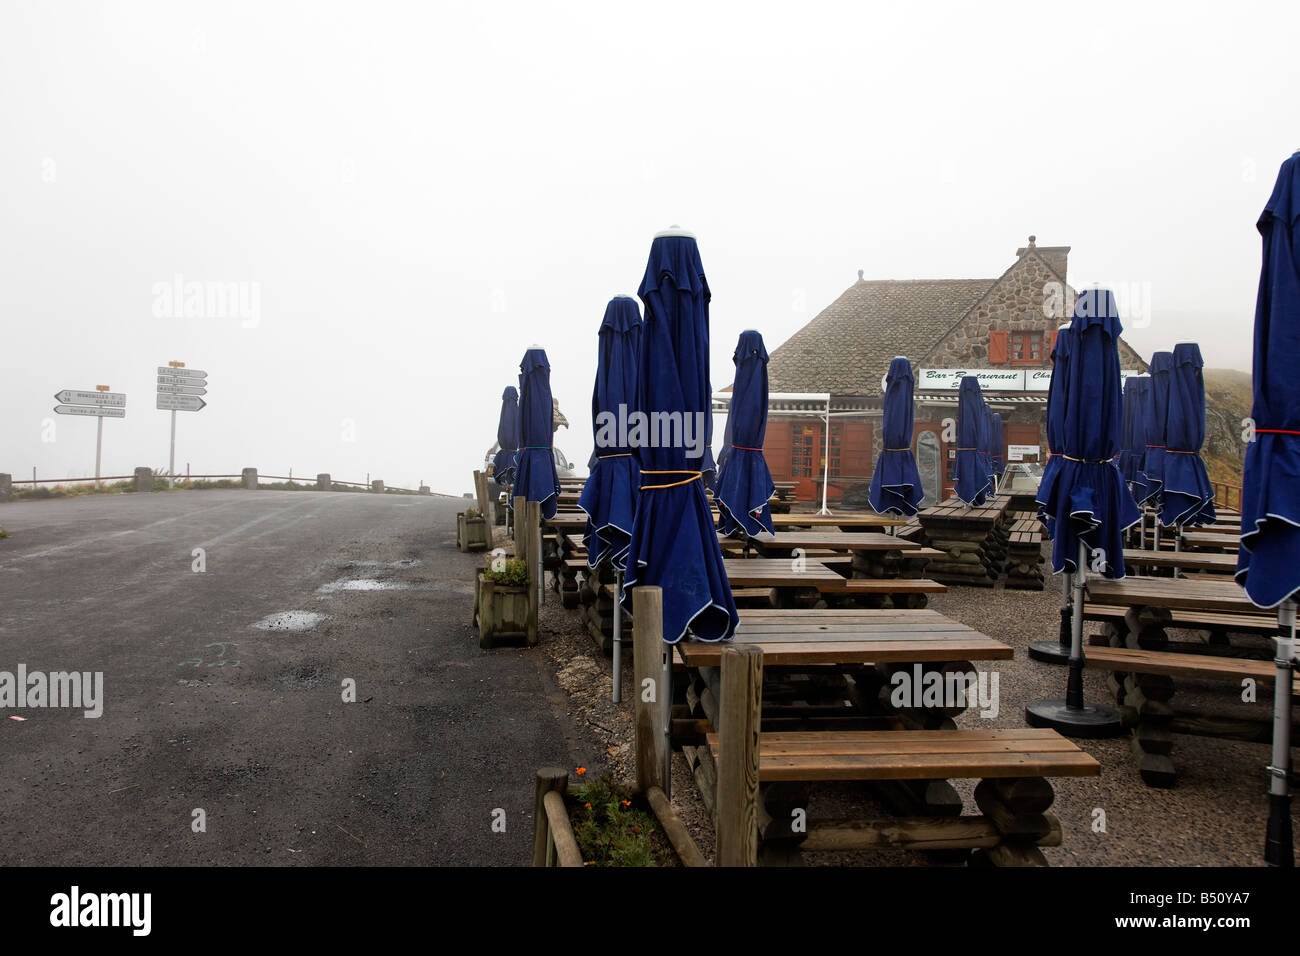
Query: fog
{"points": [[408, 195]]}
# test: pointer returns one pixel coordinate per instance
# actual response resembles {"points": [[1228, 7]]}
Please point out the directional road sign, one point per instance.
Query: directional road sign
{"points": [[178, 380], [98, 411], [180, 403], [181, 372], [70, 396], [181, 390]]}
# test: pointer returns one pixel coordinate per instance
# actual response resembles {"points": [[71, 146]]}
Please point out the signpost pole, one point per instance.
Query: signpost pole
{"points": [[171, 460], [99, 446]]}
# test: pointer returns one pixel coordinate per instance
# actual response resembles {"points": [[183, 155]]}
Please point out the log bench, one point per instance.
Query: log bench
{"points": [[1013, 793], [1142, 681]]}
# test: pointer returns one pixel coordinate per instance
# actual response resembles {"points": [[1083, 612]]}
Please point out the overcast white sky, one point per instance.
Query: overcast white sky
{"points": [[417, 192]]}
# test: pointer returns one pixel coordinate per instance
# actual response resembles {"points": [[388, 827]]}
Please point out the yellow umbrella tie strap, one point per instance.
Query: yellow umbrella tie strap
{"points": [[695, 475]]}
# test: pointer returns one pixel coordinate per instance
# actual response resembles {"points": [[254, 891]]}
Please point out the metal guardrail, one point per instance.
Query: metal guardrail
{"points": [[35, 482]]}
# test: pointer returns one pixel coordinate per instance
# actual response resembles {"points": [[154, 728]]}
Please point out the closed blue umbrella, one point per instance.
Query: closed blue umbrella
{"points": [[1162, 364], [896, 483], [1055, 425], [674, 545], [1058, 651], [503, 465], [1268, 561], [609, 495], [972, 476], [1188, 494], [535, 477], [745, 487], [1089, 500], [1137, 395]]}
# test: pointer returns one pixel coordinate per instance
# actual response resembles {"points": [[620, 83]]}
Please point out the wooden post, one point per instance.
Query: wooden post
{"points": [[532, 514], [647, 727], [737, 803], [548, 779], [484, 502]]}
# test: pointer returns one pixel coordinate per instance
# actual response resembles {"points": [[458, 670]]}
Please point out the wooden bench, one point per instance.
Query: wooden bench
{"points": [[1013, 792], [1142, 681]]}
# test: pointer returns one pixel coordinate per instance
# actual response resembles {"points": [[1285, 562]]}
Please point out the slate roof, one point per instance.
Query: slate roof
{"points": [[846, 349]]}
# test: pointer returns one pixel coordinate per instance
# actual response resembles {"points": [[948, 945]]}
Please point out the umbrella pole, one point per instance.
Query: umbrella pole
{"points": [[1071, 716], [1057, 651], [1279, 847], [667, 684], [618, 637]]}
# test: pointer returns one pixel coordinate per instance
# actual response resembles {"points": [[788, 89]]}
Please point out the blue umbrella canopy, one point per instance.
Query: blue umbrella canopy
{"points": [[896, 483], [1088, 500], [609, 495], [1188, 494], [674, 545], [972, 483], [745, 485], [535, 477], [1268, 562], [1162, 364], [1133, 450], [503, 465], [1055, 424]]}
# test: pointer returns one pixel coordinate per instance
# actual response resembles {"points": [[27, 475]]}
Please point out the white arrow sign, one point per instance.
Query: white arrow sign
{"points": [[181, 372], [180, 403], [181, 390], [73, 397], [177, 380], [99, 411]]}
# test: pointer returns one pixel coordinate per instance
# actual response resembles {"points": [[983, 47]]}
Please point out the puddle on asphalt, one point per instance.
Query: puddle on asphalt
{"points": [[291, 621], [394, 565], [369, 584]]}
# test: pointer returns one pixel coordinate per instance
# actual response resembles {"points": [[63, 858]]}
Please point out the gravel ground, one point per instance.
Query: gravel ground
{"points": [[1214, 817]]}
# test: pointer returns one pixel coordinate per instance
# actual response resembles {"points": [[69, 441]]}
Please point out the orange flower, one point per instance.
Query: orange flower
{"points": [[581, 771], [627, 803], [588, 806]]}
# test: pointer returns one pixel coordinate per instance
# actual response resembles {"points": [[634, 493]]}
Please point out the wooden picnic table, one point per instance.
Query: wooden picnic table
{"points": [[1183, 560], [1173, 593], [791, 637], [844, 521], [786, 541], [1210, 540]]}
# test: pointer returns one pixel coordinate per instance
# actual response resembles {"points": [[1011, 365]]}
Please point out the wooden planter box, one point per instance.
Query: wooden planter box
{"points": [[472, 533], [501, 611]]}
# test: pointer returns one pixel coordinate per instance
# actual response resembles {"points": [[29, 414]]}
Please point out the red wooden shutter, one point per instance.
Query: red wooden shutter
{"points": [[998, 346]]}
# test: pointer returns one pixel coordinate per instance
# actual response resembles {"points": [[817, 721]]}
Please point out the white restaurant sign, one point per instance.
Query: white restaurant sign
{"points": [[992, 379]]}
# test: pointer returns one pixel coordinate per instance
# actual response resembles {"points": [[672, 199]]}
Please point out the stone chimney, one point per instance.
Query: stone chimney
{"points": [[1054, 256]]}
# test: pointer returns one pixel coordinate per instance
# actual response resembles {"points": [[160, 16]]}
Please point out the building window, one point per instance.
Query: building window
{"points": [[803, 448], [1027, 347]]}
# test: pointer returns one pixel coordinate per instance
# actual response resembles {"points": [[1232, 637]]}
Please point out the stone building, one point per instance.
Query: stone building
{"points": [[1000, 329]]}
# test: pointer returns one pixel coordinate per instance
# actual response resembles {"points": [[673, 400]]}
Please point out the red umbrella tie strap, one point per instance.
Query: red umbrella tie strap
{"points": [[1275, 431], [695, 476], [743, 448]]}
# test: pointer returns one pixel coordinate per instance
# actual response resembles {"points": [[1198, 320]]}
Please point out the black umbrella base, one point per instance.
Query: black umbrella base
{"points": [[1088, 721], [1049, 652]]}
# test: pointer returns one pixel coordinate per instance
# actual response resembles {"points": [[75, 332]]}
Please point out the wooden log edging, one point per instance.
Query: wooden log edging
{"points": [[553, 841], [674, 829]]}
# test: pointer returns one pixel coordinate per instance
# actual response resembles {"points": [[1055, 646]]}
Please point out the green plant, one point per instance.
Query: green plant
{"points": [[610, 830], [513, 573], [471, 514], [4, 533]]}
